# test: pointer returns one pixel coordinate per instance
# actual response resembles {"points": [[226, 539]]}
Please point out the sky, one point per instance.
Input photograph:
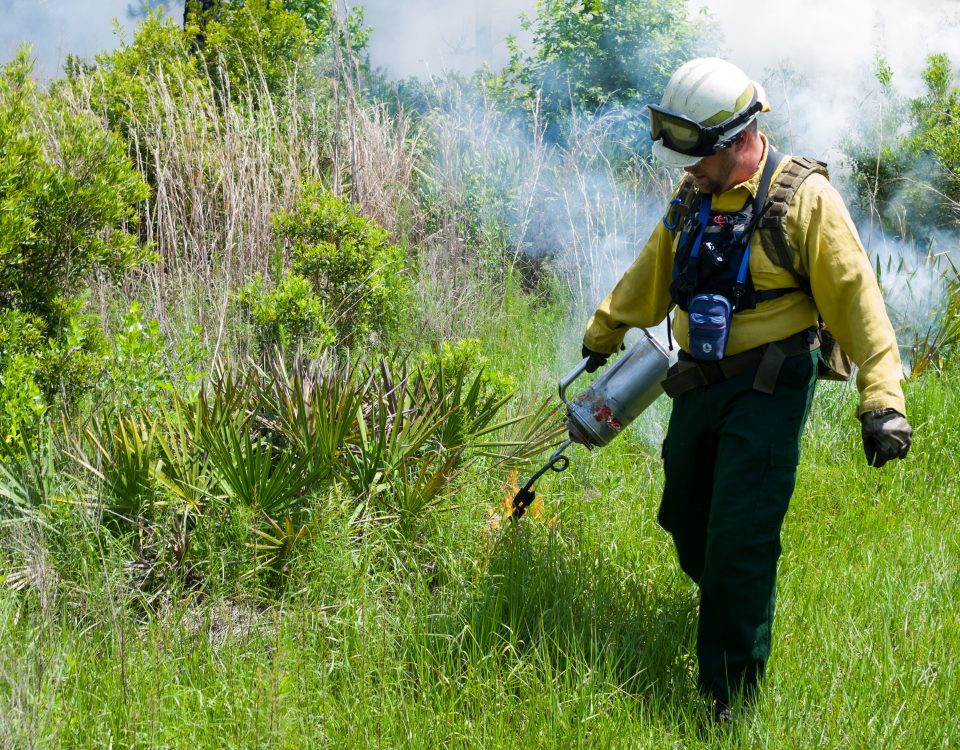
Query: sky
{"points": [[55, 28], [822, 38]]}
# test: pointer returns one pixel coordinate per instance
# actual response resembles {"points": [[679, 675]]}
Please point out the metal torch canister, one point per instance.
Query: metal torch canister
{"points": [[617, 397]]}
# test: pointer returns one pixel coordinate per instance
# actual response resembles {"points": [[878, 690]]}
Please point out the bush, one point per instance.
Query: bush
{"points": [[596, 56], [466, 356], [38, 369], [124, 82], [905, 163], [68, 192], [249, 42], [349, 263], [141, 369], [288, 317]]}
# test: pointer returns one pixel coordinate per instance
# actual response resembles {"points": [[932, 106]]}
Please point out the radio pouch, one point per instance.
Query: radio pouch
{"points": [[709, 318]]}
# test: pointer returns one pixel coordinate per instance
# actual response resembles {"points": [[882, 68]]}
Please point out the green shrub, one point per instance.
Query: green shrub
{"points": [[466, 355], [289, 316], [595, 56], [38, 370], [141, 368], [246, 43], [905, 161], [124, 82], [68, 196], [357, 275], [68, 193]]}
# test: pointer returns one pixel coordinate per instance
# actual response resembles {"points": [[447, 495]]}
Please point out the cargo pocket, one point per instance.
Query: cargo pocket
{"points": [[780, 476]]}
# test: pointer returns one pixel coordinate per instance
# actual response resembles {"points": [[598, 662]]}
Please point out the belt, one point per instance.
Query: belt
{"points": [[686, 375]]}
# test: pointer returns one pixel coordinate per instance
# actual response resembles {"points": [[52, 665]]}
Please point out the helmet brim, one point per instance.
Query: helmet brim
{"points": [[672, 158]]}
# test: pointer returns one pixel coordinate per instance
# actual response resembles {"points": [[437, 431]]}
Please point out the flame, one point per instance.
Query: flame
{"points": [[498, 514], [510, 490]]}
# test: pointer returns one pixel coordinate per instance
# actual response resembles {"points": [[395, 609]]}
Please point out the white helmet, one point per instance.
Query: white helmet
{"points": [[707, 101]]}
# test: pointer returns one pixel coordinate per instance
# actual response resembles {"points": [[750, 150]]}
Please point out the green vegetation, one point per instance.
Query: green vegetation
{"points": [[598, 56], [910, 176], [274, 352]]}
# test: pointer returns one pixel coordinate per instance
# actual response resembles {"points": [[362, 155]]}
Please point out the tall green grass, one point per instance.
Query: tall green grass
{"points": [[576, 634]]}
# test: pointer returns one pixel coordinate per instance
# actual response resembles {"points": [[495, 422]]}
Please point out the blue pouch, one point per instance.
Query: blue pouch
{"points": [[709, 316]]}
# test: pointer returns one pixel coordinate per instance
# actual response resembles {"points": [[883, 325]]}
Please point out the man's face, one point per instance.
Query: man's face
{"points": [[714, 173]]}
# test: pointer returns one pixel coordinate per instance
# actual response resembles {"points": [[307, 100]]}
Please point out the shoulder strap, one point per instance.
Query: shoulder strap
{"points": [[773, 226]]}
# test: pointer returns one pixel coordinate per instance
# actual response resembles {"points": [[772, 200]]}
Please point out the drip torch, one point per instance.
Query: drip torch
{"points": [[606, 407]]}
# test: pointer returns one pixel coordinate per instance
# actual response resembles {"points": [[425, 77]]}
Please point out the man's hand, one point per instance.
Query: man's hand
{"points": [[886, 435], [597, 360]]}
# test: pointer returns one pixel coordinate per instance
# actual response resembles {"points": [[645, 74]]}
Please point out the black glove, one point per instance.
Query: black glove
{"points": [[597, 360], [886, 435]]}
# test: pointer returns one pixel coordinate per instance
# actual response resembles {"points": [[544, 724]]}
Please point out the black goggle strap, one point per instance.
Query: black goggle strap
{"points": [[704, 133], [738, 119]]}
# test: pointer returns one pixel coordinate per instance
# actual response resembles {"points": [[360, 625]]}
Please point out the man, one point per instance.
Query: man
{"points": [[747, 326]]}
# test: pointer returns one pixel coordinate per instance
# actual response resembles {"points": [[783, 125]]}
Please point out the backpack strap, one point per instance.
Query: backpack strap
{"points": [[773, 226]]}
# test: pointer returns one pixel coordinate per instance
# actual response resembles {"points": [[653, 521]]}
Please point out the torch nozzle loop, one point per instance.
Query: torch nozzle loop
{"points": [[558, 462]]}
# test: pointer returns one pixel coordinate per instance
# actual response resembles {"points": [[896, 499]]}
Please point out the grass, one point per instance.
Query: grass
{"points": [[577, 632], [576, 635]]}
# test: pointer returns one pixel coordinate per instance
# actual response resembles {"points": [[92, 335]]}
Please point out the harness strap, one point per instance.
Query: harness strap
{"points": [[773, 227], [686, 375]]}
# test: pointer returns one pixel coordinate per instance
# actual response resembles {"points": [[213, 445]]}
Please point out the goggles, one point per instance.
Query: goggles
{"points": [[683, 135]]}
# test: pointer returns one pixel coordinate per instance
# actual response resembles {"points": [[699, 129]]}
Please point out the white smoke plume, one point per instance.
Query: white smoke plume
{"points": [[418, 38], [831, 47], [57, 28], [816, 58]]}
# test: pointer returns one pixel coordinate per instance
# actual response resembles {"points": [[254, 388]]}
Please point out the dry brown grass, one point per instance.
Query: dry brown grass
{"points": [[220, 170], [470, 195]]}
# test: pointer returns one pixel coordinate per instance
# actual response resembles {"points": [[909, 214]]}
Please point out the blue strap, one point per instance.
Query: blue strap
{"points": [[744, 264], [703, 217], [672, 227]]}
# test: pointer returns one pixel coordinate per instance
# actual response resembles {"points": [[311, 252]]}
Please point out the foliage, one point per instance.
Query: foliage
{"points": [[285, 45], [261, 457], [595, 56], [244, 42], [358, 278], [940, 344], [39, 369], [68, 194], [289, 316], [140, 368], [124, 85], [68, 197], [905, 164], [461, 377]]}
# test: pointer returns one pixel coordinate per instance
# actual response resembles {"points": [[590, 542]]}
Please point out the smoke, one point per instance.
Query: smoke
{"points": [[821, 54], [816, 59], [426, 37], [56, 28]]}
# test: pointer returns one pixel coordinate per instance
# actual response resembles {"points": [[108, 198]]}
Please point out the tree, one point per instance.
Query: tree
{"points": [[598, 56], [905, 162]]}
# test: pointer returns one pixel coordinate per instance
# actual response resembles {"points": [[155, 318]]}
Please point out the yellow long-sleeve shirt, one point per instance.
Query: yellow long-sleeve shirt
{"points": [[828, 252]]}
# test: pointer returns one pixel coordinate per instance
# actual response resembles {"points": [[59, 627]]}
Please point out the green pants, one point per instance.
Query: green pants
{"points": [[730, 458]]}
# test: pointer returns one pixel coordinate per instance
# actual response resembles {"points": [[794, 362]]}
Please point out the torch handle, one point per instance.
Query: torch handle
{"points": [[575, 373]]}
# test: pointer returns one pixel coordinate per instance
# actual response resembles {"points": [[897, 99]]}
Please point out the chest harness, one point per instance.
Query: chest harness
{"points": [[712, 260], [713, 252]]}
